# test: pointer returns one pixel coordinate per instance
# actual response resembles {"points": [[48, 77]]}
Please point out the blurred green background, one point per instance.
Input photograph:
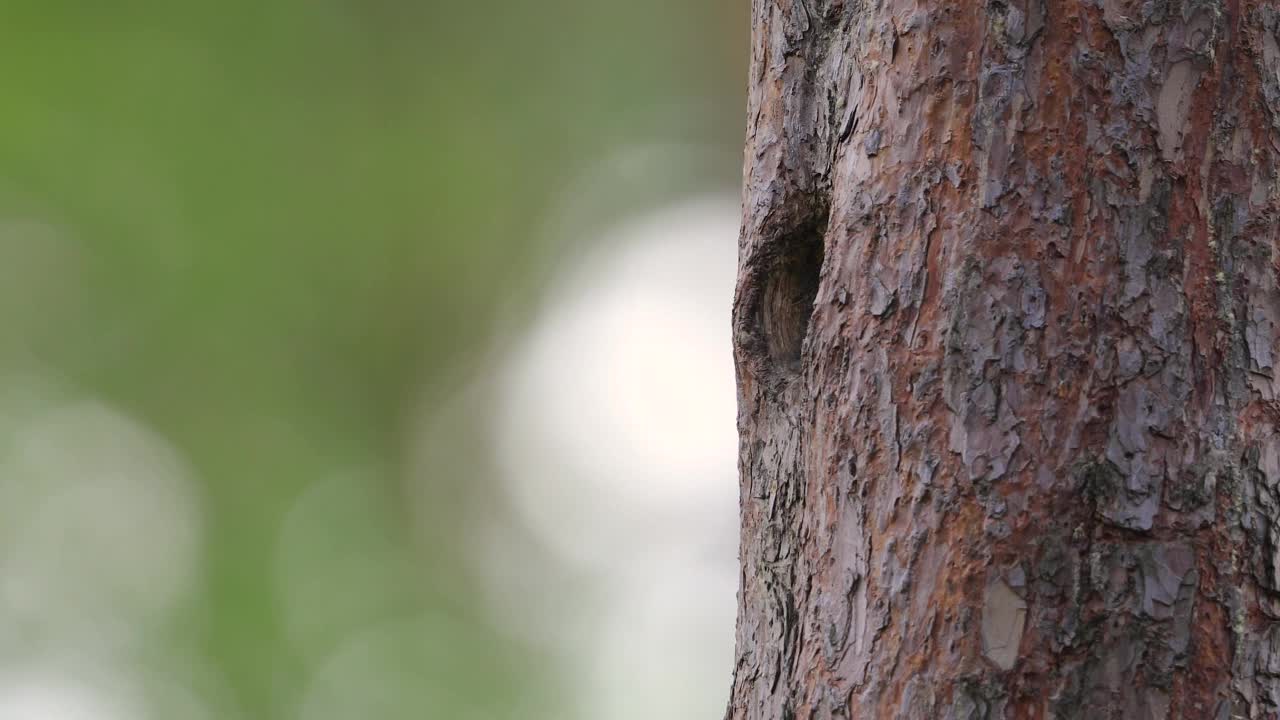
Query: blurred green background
{"points": [[249, 254]]}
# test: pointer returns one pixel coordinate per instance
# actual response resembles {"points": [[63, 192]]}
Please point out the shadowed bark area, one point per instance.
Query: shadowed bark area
{"points": [[1015, 454]]}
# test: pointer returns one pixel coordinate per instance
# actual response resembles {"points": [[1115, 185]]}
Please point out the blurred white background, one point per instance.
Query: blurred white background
{"points": [[618, 445]]}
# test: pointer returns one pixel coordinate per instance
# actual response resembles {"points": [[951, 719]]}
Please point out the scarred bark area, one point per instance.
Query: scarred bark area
{"points": [[1007, 332]]}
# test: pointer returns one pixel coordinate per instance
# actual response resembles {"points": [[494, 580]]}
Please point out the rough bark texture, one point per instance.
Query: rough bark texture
{"points": [[1006, 331]]}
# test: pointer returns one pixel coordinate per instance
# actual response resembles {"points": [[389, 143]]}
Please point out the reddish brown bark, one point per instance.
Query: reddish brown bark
{"points": [[1006, 333]]}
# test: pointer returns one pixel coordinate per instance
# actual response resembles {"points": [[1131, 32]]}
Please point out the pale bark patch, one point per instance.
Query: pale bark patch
{"points": [[1004, 615], [1173, 108]]}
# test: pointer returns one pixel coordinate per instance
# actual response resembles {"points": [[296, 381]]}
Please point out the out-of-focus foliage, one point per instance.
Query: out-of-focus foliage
{"points": [[271, 232]]}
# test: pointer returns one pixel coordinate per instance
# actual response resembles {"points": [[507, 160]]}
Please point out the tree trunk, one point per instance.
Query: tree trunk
{"points": [[1006, 335]]}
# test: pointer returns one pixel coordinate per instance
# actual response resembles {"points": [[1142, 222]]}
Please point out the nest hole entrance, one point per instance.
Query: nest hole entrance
{"points": [[789, 294]]}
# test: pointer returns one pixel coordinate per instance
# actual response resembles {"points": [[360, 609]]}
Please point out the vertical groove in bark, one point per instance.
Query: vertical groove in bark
{"points": [[1019, 458]]}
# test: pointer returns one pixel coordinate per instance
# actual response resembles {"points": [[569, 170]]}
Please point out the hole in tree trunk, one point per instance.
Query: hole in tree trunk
{"points": [[789, 292]]}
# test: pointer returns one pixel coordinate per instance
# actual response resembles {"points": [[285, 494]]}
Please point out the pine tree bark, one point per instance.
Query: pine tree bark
{"points": [[1006, 332]]}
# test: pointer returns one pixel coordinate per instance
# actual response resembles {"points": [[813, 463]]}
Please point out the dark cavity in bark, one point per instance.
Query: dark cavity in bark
{"points": [[790, 288]]}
